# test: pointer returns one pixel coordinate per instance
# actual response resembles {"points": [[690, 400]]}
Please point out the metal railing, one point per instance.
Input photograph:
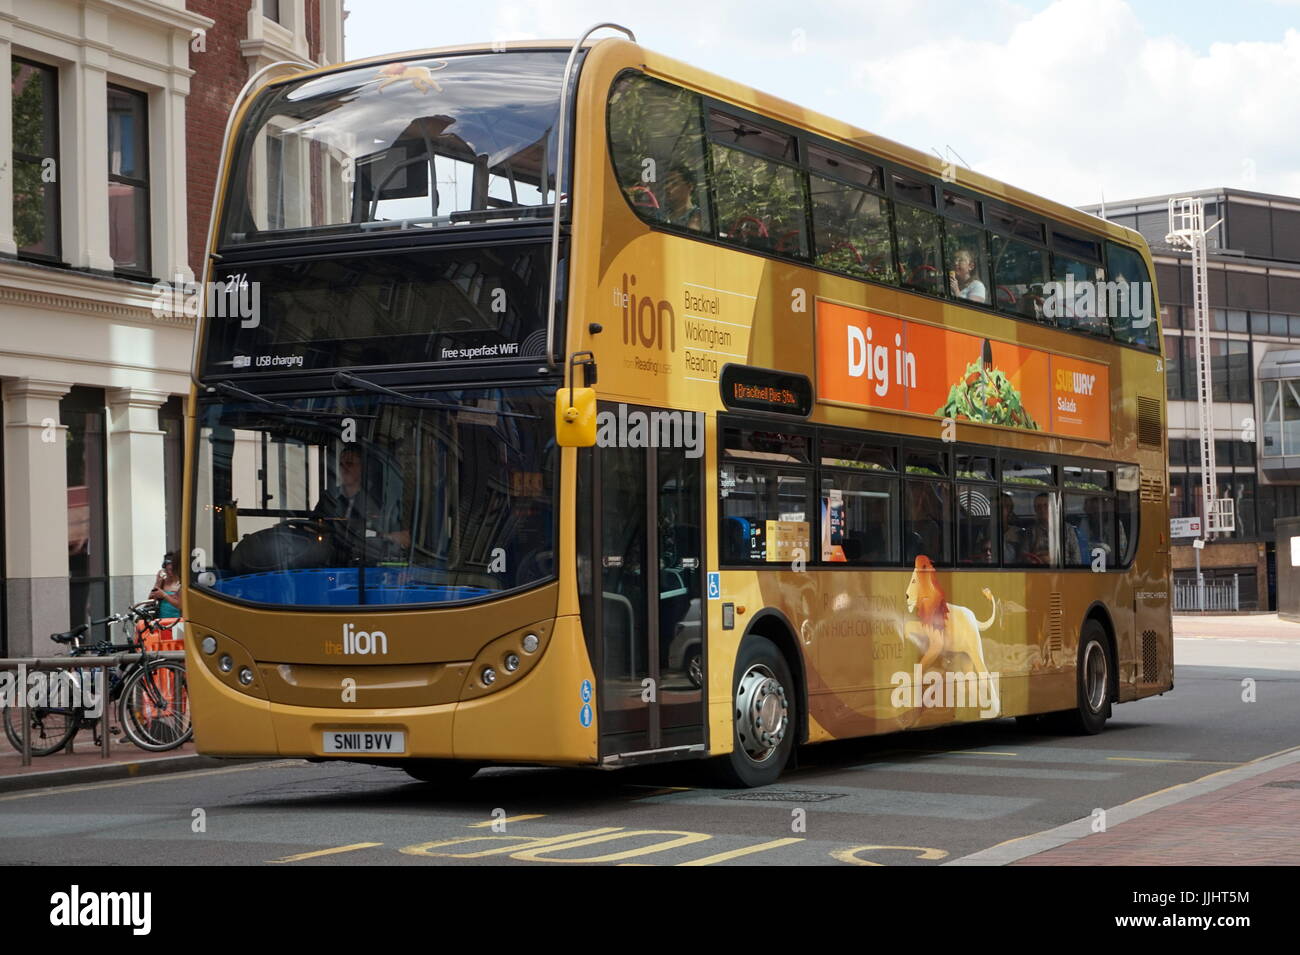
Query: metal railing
{"points": [[102, 663], [1222, 595]]}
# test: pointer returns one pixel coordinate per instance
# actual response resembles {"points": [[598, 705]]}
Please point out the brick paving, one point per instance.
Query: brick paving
{"points": [[85, 754], [1252, 822]]}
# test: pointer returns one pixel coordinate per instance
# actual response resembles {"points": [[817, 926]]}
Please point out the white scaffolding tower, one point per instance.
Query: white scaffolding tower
{"points": [[1187, 231]]}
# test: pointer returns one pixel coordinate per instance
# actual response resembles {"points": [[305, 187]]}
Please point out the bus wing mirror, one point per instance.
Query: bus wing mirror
{"points": [[575, 417]]}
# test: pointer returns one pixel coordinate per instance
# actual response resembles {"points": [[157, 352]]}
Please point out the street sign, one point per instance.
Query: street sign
{"points": [[1184, 527]]}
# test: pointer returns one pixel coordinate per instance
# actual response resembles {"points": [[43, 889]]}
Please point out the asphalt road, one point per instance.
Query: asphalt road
{"points": [[919, 798]]}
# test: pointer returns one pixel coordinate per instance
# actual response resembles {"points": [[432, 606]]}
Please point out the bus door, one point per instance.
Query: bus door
{"points": [[650, 549]]}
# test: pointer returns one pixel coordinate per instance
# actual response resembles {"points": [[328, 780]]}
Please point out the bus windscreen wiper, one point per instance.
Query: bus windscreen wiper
{"points": [[234, 391], [344, 380]]}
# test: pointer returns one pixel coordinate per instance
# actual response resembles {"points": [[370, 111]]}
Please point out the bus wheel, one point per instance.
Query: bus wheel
{"points": [[764, 716], [443, 772], [1093, 678]]}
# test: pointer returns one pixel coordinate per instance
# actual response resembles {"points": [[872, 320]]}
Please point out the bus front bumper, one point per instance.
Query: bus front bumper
{"points": [[541, 719]]}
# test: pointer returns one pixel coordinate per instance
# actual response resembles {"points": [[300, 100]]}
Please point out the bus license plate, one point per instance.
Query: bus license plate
{"points": [[365, 741]]}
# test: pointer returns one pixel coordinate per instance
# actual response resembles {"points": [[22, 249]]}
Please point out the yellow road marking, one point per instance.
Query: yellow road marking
{"points": [[327, 852], [660, 791], [851, 855], [683, 839], [493, 822], [517, 843], [736, 853], [161, 777]]}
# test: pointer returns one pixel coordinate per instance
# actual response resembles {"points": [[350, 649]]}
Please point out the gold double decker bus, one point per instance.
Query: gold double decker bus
{"points": [[569, 405]]}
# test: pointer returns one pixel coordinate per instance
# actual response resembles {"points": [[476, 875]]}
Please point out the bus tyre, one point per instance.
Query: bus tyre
{"points": [[440, 772], [764, 715], [1093, 676]]}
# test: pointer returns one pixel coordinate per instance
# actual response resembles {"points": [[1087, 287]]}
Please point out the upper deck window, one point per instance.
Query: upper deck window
{"points": [[656, 136], [734, 131], [430, 143], [827, 162]]}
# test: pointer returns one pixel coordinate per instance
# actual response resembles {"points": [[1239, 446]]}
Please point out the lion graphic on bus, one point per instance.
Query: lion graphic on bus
{"points": [[942, 630]]}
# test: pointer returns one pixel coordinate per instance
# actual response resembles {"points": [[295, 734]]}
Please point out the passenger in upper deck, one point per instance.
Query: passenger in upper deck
{"points": [[962, 282], [680, 206]]}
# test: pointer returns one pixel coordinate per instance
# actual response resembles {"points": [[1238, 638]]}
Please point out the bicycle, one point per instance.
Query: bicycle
{"points": [[152, 695]]}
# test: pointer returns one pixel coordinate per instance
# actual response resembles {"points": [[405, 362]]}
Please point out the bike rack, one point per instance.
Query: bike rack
{"points": [[102, 663]]}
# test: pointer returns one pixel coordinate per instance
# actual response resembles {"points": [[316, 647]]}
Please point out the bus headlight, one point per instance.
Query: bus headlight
{"points": [[209, 645], [225, 663], [245, 676], [505, 661]]}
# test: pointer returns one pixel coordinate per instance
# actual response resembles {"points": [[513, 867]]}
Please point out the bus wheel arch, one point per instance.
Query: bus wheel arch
{"points": [[1100, 613], [766, 699], [1097, 650], [773, 625]]}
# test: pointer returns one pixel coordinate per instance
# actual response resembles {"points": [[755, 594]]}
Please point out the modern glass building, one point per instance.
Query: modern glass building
{"points": [[1254, 290]]}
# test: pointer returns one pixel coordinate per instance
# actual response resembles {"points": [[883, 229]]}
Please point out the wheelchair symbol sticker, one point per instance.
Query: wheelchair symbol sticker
{"points": [[586, 691], [584, 715], [715, 586]]}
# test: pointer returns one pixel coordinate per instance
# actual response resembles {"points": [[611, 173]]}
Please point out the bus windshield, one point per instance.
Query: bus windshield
{"points": [[350, 500], [426, 143]]}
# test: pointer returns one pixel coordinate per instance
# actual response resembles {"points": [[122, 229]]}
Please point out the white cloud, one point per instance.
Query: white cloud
{"points": [[1078, 99]]}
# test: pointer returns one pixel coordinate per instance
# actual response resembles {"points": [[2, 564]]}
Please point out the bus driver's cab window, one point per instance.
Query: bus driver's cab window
{"points": [[353, 512]]}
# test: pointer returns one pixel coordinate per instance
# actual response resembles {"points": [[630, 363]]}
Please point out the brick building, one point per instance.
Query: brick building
{"points": [[111, 127], [1254, 291]]}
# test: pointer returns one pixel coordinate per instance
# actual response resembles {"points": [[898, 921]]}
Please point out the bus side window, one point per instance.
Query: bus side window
{"points": [[968, 264], [976, 528], [851, 230], [656, 135], [860, 518], [920, 258], [927, 527], [1136, 323], [1019, 273]]}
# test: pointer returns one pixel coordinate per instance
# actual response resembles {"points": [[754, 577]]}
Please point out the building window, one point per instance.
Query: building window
{"points": [[1239, 370], [35, 158], [128, 180], [1281, 404], [1173, 367], [271, 10], [81, 411]]}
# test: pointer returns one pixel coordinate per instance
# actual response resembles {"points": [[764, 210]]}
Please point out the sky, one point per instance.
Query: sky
{"points": [[1076, 100]]}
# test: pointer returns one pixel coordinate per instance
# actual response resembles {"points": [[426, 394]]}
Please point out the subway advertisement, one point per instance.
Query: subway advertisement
{"points": [[869, 360]]}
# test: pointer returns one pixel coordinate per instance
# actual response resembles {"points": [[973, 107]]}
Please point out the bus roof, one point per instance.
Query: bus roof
{"points": [[783, 110]]}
